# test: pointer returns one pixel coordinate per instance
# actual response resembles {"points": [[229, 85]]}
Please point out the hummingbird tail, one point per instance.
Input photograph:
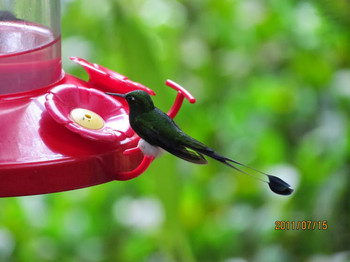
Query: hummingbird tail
{"points": [[276, 184], [228, 161]]}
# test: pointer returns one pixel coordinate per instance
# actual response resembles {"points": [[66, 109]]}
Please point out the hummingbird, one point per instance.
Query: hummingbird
{"points": [[158, 130]]}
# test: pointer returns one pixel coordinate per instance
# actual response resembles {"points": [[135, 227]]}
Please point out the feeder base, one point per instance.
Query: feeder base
{"points": [[39, 155]]}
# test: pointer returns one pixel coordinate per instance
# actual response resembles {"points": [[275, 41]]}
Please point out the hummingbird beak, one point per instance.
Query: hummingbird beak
{"points": [[116, 94]]}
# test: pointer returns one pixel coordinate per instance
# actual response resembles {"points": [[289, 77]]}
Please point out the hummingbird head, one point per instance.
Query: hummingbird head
{"points": [[138, 100]]}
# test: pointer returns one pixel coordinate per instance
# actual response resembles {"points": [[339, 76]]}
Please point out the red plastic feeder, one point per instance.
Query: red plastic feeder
{"points": [[59, 132]]}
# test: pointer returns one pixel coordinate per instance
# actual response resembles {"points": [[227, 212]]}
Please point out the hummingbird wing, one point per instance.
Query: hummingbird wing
{"points": [[173, 148], [163, 132], [182, 152]]}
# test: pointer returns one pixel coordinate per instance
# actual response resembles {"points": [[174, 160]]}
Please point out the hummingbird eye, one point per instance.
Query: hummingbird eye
{"points": [[130, 98]]}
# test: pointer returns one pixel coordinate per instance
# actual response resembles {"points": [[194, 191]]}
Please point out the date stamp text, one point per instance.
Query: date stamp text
{"points": [[301, 225]]}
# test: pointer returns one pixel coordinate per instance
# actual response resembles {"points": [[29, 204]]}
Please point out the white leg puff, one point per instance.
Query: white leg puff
{"points": [[149, 150]]}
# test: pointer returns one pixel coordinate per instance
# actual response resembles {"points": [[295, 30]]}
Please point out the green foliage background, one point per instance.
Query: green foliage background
{"points": [[272, 82]]}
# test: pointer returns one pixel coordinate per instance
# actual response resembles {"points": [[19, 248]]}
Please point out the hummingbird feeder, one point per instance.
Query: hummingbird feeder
{"points": [[59, 132]]}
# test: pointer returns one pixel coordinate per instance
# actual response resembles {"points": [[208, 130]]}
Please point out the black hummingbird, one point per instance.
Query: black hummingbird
{"points": [[159, 130]]}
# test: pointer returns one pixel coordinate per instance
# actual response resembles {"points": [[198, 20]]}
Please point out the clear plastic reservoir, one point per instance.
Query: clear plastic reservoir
{"points": [[30, 44]]}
